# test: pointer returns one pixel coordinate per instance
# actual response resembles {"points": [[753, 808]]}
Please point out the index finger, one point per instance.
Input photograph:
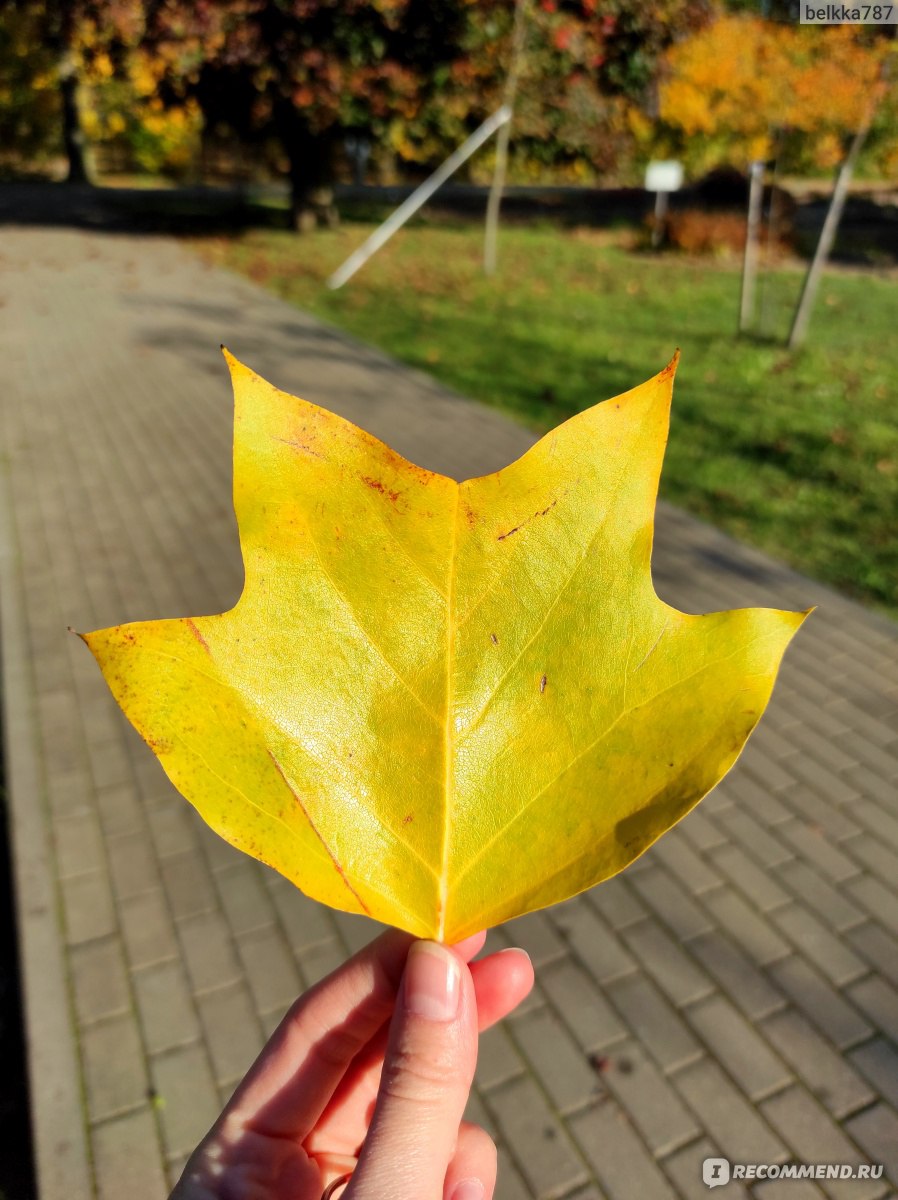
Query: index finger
{"points": [[291, 1082]]}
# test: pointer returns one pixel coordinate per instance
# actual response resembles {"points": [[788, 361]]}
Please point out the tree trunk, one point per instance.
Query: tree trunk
{"points": [[311, 173], [61, 36], [72, 133]]}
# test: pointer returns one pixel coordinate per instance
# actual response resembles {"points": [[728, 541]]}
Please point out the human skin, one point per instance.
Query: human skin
{"points": [[369, 1072]]}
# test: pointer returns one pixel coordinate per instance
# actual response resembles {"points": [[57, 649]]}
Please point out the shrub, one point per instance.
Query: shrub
{"points": [[718, 234]]}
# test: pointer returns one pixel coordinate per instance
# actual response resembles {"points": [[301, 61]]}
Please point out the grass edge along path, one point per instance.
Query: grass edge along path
{"points": [[796, 454]]}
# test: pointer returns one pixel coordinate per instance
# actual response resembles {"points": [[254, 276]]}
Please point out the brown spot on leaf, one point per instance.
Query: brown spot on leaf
{"points": [[494, 639], [300, 446], [502, 536], [305, 812], [403, 466], [671, 367], [191, 625], [377, 486], [158, 745], [542, 685], [407, 818]]}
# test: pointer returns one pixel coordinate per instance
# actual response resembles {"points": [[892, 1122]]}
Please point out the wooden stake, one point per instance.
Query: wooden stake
{"points": [[491, 230], [831, 222], [750, 259]]}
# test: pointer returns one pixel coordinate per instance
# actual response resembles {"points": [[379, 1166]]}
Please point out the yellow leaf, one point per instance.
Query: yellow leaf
{"points": [[445, 704]]}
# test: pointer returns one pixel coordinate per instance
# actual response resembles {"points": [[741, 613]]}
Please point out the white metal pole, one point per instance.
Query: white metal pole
{"points": [[419, 196], [661, 203], [750, 257]]}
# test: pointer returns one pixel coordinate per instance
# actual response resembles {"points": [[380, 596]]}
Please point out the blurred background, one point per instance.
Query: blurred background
{"points": [[242, 123], [709, 176]]}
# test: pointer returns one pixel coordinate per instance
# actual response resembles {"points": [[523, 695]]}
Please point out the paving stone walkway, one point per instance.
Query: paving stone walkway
{"points": [[735, 992]]}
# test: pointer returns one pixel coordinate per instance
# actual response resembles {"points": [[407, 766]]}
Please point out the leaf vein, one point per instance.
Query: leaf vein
{"points": [[322, 764], [375, 508], [388, 897], [497, 687], [487, 918], [449, 727], [581, 558], [595, 742], [368, 637]]}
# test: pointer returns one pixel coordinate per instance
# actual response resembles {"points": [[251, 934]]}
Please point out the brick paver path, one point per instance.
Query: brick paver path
{"points": [[734, 992]]}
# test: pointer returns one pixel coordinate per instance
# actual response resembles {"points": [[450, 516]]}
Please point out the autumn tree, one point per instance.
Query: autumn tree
{"points": [[745, 88], [585, 64], [307, 70], [30, 128], [54, 40]]}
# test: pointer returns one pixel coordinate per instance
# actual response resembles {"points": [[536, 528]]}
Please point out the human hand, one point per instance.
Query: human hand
{"points": [[369, 1073]]}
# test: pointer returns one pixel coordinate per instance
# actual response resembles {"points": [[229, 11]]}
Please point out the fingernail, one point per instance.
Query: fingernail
{"points": [[515, 950], [468, 1189], [432, 981]]}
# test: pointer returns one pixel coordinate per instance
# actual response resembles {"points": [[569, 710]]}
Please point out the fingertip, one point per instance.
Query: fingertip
{"points": [[518, 961], [518, 972], [432, 984], [501, 982], [471, 946], [425, 1081], [473, 1167]]}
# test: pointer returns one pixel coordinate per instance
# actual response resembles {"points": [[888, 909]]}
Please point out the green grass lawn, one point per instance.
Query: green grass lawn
{"points": [[797, 454]]}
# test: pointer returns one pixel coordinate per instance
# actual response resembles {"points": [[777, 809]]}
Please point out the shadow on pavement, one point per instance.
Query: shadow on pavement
{"points": [[868, 231], [195, 211]]}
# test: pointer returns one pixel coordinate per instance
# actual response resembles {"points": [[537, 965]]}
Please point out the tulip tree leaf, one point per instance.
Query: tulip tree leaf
{"points": [[445, 704]]}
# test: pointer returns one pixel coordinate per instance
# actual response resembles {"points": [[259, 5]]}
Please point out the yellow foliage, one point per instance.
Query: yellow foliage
{"points": [[99, 68], [401, 143], [732, 86], [155, 123], [144, 78]]}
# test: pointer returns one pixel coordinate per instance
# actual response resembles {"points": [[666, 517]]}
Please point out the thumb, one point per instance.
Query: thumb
{"points": [[427, 1073]]}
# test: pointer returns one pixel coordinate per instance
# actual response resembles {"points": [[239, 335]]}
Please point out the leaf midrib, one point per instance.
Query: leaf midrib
{"points": [[449, 727]]}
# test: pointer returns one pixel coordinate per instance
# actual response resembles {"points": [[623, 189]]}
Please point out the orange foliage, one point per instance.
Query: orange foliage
{"points": [[740, 87], [697, 231]]}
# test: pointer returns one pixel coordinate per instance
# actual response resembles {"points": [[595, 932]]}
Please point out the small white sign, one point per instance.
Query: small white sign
{"points": [[664, 176]]}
